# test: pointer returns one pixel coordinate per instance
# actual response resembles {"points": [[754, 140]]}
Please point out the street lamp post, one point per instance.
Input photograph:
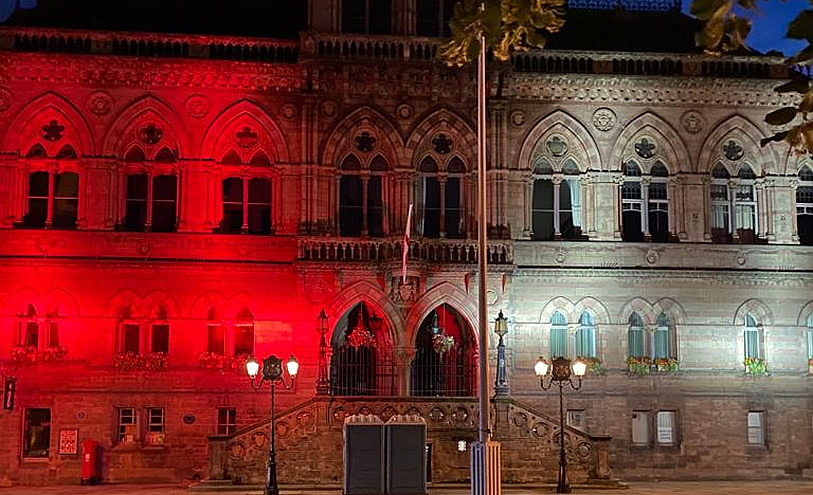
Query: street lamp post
{"points": [[561, 374], [322, 384], [501, 383], [273, 374]]}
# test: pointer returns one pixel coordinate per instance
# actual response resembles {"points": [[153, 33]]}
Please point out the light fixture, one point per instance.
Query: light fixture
{"points": [[541, 367], [252, 367], [579, 368], [293, 366]]}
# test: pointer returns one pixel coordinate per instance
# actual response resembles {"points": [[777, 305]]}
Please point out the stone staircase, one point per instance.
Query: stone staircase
{"points": [[309, 442]]}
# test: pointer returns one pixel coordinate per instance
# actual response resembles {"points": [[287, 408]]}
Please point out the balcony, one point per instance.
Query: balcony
{"points": [[360, 47], [461, 251]]}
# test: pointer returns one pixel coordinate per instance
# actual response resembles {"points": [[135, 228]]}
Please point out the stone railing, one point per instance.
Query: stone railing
{"points": [[148, 44], [426, 250], [358, 46], [309, 442]]}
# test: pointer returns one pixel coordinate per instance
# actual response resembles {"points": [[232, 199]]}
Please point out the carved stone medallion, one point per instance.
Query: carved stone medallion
{"points": [[518, 118], [604, 119], [197, 106], [693, 122], [100, 103], [288, 111], [404, 111], [328, 108]]}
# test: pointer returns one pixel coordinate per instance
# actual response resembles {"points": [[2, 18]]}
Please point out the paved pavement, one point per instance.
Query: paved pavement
{"points": [[649, 488]]}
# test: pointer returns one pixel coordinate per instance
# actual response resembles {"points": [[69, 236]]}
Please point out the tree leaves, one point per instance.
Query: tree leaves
{"points": [[507, 25], [782, 116]]}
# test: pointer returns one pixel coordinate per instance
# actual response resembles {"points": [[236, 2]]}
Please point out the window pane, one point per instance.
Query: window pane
{"points": [[353, 16], [751, 342], [66, 185], [32, 332], [631, 223], [810, 344], [65, 211], [216, 339], [380, 16], [666, 425], [164, 204], [640, 427], [155, 420], [226, 421], [38, 184], [428, 17], [37, 212], [454, 212], [375, 206], [53, 334], [131, 341], [160, 338], [575, 418], [756, 435], [431, 209], [663, 344], [136, 203], [586, 342], [243, 339], [37, 435], [232, 205], [350, 205], [558, 342], [636, 342], [127, 425], [542, 210], [259, 206]]}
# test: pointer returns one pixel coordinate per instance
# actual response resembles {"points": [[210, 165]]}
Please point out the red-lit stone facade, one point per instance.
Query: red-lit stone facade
{"points": [[170, 205]]}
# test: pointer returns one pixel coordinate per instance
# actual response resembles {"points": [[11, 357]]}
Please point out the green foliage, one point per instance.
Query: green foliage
{"points": [[725, 31], [756, 366], [507, 25]]}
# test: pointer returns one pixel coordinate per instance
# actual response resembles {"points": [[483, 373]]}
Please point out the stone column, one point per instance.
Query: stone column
{"points": [[442, 185], [794, 185], [365, 181], [557, 184]]}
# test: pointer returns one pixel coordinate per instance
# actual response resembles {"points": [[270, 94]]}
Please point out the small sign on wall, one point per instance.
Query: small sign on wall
{"points": [[9, 390], [68, 442]]}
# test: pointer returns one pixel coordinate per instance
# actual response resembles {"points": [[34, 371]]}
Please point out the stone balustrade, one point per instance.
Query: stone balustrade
{"points": [[426, 250]]}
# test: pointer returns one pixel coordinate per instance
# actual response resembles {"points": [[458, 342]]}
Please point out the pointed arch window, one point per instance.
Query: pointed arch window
{"points": [[556, 203], [215, 333], [645, 203], [745, 206], [804, 206], [664, 337], [558, 335], [244, 333], [752, 338], [632, 204], [367, 16], [442, 195], [810, 337], [360, 363], [361, 197], [658, 205], [636, 337], [721, 202], [53, 200], [586, 336], [246, 206]]}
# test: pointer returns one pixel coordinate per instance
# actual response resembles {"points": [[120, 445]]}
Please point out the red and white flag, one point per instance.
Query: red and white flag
{"points": [[406, 245]]}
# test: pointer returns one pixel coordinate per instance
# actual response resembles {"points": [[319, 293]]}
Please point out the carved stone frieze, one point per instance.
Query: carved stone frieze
{"points": [[627, 89], [5, 99]]}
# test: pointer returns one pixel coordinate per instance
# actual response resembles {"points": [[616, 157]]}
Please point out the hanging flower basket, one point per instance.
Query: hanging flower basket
{"points": [[53, 354], [639, 365], [593, 364], [24, 354], [810, 366], [211, 360], [442, 343], [360, 337], [155, 361], [126, 361], [756, 366], [666, 364]]}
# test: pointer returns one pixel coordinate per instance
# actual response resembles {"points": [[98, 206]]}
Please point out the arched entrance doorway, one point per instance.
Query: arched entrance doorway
{"points": [[445, 362], [361, 355]]}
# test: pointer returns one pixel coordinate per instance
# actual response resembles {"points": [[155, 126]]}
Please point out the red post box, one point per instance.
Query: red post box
{"points": [[90, 462]]}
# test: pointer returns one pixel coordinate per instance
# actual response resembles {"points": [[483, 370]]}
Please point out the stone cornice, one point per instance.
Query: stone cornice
{"points": [[694, 91]]}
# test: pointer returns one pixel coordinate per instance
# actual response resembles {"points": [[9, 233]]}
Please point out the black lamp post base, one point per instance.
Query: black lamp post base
{"points": [[271, 487]]}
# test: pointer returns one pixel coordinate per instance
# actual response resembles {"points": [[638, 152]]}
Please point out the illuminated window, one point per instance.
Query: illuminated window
{"points": [[810, 337], [640, 428], [37, 433], [558, 335], [666, 427], [127, 431], [636, 337], [226, 420], [53, 200], [664, 337], [586, 336], [367, 16], [645, 204], [804, 206], [556, 204], [752, 337], [246, 206], [756, 427], [721, 203]]}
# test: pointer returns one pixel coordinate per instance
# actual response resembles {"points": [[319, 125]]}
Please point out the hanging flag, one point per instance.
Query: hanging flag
{"points": [[406, 244]]}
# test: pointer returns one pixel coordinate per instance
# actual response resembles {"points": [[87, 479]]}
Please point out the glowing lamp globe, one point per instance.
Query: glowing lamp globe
{"points": [[252, 368], [293, 366], [541, 367], [579, 367]]}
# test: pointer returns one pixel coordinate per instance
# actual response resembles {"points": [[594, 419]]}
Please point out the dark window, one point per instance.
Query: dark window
{"points": [[566, 228], [232, 205], [155, 419], [453, 210], [350, 207], [375, 206], [431, 209], [66, 200], [216, 339], [53, 334], [243, 339], [160, 338], [164, 203], [433, 17], [259, 206], [37, 199], [32, 333], [136, 203], [37, 434], [226, 420], [542, 210], [131, 338], [367, 16], [126, 425]]}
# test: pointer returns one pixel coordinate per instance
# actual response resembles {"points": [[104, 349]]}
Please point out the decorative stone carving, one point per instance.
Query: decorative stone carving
{"points": [[693, 122], [53, 131], [288, 111], [442, 144], [651, 257], [100, 103], [365, 142], [556, 145], [404, 292], [604, 119], [150, 134], [733, 151], [197, 106], [247, 137], [328, 108], [645, 148], [404, 111], [5, 99], [518, 118]]}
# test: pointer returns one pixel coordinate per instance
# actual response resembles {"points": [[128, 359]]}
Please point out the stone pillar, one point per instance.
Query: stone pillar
{"points": [[781, 201], [102, 191], [557, 184]]}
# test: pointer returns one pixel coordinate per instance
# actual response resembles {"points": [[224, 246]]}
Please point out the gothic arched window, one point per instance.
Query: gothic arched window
{"points": [[664, 338], [746, 226], [804, 206], [361, 197], [558, 335], [752, 338], [720, 204], [246, 205], [658, 205], [632, 204], [636, 337], [586, 336], [360, 363]]}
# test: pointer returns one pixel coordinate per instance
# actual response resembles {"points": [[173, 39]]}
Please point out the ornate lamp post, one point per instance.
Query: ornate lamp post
{"points": [[560, 375], [273, 374], [500, 383], [322, 385]]}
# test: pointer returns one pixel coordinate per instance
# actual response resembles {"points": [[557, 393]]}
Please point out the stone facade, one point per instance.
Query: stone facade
{"points": [[302, 116]]}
